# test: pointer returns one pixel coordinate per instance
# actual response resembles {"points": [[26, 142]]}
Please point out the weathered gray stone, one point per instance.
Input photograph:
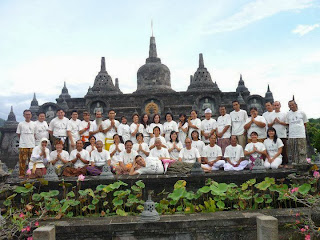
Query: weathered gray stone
{"points": [[51, 174], [267, 228], [106, 172], [45, 233], [258, 165], [149, 213]]}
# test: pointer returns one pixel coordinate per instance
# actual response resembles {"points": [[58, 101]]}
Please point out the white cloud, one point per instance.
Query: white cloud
{"points": [[255, 11], [304, 29]]}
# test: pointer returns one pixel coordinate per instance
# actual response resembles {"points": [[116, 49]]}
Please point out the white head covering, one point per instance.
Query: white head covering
{"points": [[208, 110], [42, 140]]}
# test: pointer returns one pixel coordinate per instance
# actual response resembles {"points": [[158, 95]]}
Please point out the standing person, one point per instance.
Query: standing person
{"points": [[169, 126], [73, 129], [26, 133], [39, 158], [85, 128], [234, 156], [256, 123], [111, 128], [183, 128], [126, 158], [297, 121], [115, 149], [274, 148], [135, 128], [80, 159], [208, 126], [194, 123], [99, 157], [124, 130], [212, 156], [189, 154], [58, 129], [145, 122], [196, 142], [41, 128], [238, 120], [97, 127], [254, 149], [156, 134], [140, 146], [155, 123], [223, 129], [268, 114], [174, 146], [278, 121], [59, 158]]}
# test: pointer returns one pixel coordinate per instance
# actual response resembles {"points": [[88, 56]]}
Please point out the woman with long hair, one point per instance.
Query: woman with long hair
{"points": [[274, 147]]}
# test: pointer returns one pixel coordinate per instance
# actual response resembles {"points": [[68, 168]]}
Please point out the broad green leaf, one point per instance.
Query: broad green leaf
{"points": [[117, 202], [92, 207], [71, 194], [53, 193], [140, 184], [205, 189], [304, 188], [95, 201], [120, 212], [36, 197], [100, 187], [220, 205]]}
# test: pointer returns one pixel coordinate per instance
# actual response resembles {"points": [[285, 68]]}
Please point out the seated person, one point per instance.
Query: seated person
{"points": [[115, 149], [80, 159], [59, 158], [274, 147], [257, 124], [189, 154], [254, 149], [99, 157], [150, 165], [39, 158], [174, 146], [212, 155], [141, 147], [234, 156], [92, 145], [156, 134], [126, 158], [159, 151]]}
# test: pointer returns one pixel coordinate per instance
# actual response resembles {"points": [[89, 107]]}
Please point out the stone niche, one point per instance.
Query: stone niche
{"points": [[152, 106], [256, 101], [206, 102], [98, 105], [50, 110]]}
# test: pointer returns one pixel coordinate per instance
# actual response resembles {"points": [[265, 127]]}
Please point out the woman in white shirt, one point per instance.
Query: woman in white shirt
{"points": [[92, 146], [156, 134], [196, 142], [141, 147], [155, 123], [183, 128], [115, 149], [39, 158], [274, 147], [124, 130], [135, 127], [169, 126], [174, 146], [254, 149], [145, 122]]}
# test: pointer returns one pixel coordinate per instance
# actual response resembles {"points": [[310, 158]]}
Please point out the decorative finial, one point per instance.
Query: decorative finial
{"points": [[268, 88], [103, 65], [241, 77], [34, 97], [151, 28], [64, 85], [293, 97], [201, 63]]}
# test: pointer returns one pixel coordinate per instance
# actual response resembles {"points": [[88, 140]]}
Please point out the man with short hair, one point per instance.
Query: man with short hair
{"points": [[297, 121], [234, 156], [223, 130], [41, 128], [212, 156], [84, 129], [208, 126], [126, 158], [80, 159], [238, 120], [277, 120], [270, 110], [26, 133], [97, 127], [73, 129], [256, 123], [99, 157], [111, 127], [58, 129]]}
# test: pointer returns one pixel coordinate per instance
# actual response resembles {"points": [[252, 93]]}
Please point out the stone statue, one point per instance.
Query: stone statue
{"points": [[98, 108], [206, 105], [50, 113], [256, 104]]}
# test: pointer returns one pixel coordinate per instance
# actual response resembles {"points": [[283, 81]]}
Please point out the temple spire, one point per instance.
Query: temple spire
{"points": [[152, 48], [268, 90], [11, 116], [151, 28], [103, 65], [269, 95], [201, 63], [34, 101]]}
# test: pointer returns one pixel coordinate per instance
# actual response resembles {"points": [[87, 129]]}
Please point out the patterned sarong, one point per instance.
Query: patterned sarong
{"points": [[24, 158]]}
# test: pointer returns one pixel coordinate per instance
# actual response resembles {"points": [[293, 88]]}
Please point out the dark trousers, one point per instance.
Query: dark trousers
{"points": [[284, 151]]}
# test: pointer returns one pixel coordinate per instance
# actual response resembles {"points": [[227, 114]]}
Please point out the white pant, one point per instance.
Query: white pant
{"points": [[215, 166], [274, 165], [242, 165]]}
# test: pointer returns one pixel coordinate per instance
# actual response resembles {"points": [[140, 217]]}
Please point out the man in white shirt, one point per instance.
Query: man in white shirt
{"points": [[73, 129], [41, 129], [208, 126], [194, 123], [277, 120], [149, 165], [212, 155], [80, 159], [257, 124], [297, 121], [223, 129], [99, 157], [26, 132], [268, 114], [234, 156], [97, 127], [238, 120], [189, 154], [85, 128], [58, 129], [111, 127], [126, 158]]}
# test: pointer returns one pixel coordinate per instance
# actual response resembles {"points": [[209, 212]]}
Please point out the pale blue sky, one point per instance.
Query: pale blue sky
{"points": [[43, 43]]}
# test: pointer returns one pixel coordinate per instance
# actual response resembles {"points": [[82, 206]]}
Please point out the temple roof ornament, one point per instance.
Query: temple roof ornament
{"points": [[64, 93], [201, 79], [241, 87], [269, 95]]}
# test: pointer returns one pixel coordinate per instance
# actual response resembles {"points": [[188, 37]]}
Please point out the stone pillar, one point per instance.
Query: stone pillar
{"points": [[45, 233], [267, 228]]}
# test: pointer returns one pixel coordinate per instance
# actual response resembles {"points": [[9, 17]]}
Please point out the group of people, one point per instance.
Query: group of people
{"points": [[233, 142]]}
